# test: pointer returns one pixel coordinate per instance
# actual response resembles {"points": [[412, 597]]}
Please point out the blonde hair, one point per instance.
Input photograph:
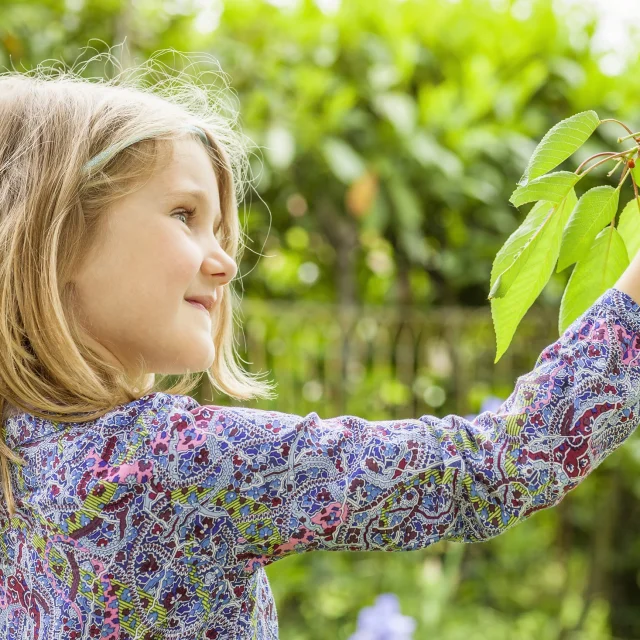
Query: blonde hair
{"points": [[52, 200]]}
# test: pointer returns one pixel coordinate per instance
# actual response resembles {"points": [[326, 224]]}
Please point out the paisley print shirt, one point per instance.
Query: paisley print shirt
{"points": [[156, 521]]}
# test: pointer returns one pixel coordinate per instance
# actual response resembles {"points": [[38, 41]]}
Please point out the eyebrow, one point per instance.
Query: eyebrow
{"points": [[198, 194]]}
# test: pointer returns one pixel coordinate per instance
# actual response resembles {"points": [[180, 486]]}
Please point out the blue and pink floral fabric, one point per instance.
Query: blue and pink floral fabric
{"points": [[157, 520]]}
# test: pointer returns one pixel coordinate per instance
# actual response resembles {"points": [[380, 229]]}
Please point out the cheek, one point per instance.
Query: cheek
{"points": [[148, 271], [166, 258], [180, 262]]}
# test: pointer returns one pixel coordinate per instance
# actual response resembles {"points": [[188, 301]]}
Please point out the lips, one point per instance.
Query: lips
{"points": [[198, 305], [206, 301]]}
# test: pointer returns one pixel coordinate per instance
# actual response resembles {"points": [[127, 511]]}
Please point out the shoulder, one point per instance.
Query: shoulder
{"points": [[126, 438], [117, 448]]}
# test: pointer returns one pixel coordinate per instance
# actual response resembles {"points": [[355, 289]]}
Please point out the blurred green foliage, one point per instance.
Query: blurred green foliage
{"points": [[393, 134]]}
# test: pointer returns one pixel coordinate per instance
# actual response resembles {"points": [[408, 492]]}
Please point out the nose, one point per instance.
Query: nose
{"points": [[222, 266]]}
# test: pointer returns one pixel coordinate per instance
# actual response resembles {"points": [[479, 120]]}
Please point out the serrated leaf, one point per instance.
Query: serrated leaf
{"points": [[629, 227], [561, 141], [635, 171], [552, 187], [600, 268], [516, 251], [507, 312], [594, 210]]}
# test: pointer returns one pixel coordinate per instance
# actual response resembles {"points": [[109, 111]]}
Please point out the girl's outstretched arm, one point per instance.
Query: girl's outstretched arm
{"points": [[277, 484]]}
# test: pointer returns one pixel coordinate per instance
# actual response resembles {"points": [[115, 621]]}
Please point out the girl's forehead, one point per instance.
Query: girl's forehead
{"points": [[187, 161]]}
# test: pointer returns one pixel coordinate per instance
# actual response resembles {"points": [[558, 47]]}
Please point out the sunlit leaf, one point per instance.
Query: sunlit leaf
{"points": [[399, 109], [600, 268], [280, 147], [407, 206], [345, 163], [507, 312], [430, 153], [528, 238], [594, 210], [553, 188], [629, 227], [635, 170], [559, 143]]}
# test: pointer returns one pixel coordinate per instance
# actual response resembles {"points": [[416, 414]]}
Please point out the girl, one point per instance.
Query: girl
{"points": [[129, 512]]}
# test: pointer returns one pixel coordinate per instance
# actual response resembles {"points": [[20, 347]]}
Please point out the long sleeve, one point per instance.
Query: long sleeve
{"points": [[157, 520], [287, 484]]}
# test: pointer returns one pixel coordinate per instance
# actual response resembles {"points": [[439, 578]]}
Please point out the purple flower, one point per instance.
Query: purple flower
{"points": [[383, 621]]}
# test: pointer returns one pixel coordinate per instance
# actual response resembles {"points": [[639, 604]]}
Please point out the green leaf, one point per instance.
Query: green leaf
{"points": [[635, 172], [345, 163], [599, 270], [399, 108], [378, 217], [430, 153], [407, 207], [280, 146], [559, 143], [594, 210], [629, 227], [507, 312], [415, 247], [408, 216], [516, 251], [553, 188]]}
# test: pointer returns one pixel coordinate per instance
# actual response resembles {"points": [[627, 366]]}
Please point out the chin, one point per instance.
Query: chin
{"points": [[197, 367]]}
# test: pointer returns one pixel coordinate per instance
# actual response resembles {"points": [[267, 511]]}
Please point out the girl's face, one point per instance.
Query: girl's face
{"points": [[133, 288]]}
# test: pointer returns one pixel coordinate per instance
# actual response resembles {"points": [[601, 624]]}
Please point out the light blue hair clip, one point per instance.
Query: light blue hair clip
{"points": [[117, 148]]}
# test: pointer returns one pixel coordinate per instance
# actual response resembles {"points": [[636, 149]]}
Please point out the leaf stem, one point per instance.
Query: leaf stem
{"points": [[610, 157], [633, 135], [622, 124], [615, 168], [602, 153], [623, 177]]}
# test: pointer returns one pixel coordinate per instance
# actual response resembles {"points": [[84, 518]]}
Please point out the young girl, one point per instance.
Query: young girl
{"points": [[134, 513]]}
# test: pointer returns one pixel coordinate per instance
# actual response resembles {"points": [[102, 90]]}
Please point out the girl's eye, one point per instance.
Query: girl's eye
{"points": [[187, 213]]}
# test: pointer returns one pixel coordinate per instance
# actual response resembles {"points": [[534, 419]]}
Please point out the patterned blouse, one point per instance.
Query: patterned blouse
{"points": [[157, 520]]}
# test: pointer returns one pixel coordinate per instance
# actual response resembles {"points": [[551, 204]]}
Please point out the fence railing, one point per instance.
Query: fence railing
{"points": [[384, 362]]}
